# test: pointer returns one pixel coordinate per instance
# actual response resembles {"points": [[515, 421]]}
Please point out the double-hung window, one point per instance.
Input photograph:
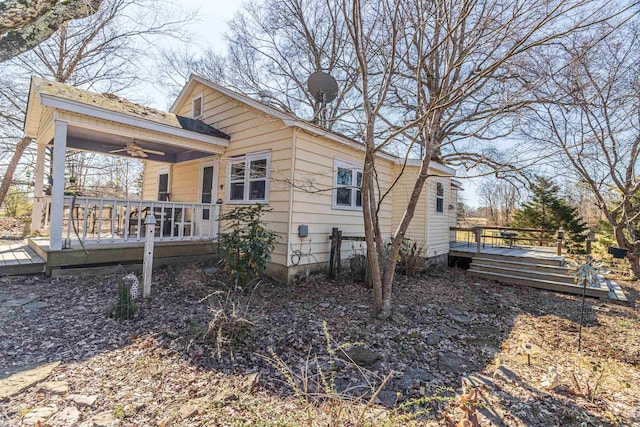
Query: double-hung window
{"points": [[347, 182], [248, 178], [439, 197]]}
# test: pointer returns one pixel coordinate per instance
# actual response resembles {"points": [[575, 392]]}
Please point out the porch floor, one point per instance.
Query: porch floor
{"points": [[96, 255], [19, 259], [536, 252]]}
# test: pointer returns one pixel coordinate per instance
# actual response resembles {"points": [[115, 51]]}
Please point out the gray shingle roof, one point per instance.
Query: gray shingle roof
{"points": [[111, 102]]}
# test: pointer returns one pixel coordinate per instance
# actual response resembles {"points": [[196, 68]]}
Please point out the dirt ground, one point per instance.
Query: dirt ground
{"points": [[518, 345]]}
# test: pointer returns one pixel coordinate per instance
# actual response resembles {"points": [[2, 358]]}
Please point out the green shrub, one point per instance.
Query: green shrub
{"points": [[16, 204], [246, 244], [124, 308]]}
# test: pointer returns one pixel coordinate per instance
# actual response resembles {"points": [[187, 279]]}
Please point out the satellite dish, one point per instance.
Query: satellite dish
{"points": [[324, 89], [322, 86]]}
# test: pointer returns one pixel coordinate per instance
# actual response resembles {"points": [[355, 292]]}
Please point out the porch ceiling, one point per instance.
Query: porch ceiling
{"points": [[102, 142]]}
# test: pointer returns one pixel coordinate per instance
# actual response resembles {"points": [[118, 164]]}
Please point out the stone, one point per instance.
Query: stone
{"points": [[82, 400], [324, 305], [360, 355], [453, 362], [414, 376], [461, 318], [20, 301], [210, 270], [250, 382], [39, 416], [505, 374], [434, 338], [35, 305], [4, 297], [22, 380], [188, 410], [55, 387], [104, 419], [69, 416]]}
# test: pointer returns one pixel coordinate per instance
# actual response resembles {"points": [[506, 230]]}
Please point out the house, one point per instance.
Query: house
{"points": [[216, 149]]}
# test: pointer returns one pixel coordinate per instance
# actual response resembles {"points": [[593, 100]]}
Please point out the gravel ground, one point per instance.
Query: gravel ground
{"points": [[519, 344]]}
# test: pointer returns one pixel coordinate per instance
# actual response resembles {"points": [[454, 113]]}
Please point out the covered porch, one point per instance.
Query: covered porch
{"points": [[62, 118]]}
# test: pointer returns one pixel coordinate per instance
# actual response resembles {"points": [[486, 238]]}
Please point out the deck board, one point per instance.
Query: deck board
{"points": [[19, 259], [535, 267]]}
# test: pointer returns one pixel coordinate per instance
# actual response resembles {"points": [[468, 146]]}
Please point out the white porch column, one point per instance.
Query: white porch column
{"points": [[38, 203], [57, 192]]}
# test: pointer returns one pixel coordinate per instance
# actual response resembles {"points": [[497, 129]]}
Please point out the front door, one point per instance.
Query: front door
{"points": [[208, 195]]}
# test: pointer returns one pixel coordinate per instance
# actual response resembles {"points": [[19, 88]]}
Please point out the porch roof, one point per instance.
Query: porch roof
{"points": [[46, 93]]}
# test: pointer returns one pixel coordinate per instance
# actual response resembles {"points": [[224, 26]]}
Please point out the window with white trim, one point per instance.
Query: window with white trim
{"points": [[196, 107], [347, 182], [248, 178], [439, 197]]}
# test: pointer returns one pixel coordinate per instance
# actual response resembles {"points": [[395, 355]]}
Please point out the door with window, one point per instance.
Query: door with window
{"points": [[208, 195]]}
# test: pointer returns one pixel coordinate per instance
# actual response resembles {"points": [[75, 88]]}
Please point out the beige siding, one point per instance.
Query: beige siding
{"points": [[417, 230], [250, 131], [150, 179], [310, 200], [438, 223], [314, 170]]}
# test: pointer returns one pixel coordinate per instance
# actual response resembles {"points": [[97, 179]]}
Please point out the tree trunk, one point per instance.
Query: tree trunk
{"points": [[13, 164], [632, 250]]}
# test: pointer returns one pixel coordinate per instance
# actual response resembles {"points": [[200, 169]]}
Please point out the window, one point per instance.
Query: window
{"points": [[348, 179], [163, 185], [439, 197], [196, 107], [248, 178]]}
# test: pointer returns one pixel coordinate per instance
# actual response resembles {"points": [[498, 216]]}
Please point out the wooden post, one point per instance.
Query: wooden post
{"points": [[478, 231], [332, 255], [338, 254], [57, 192], [147, 263], [560, 240]]}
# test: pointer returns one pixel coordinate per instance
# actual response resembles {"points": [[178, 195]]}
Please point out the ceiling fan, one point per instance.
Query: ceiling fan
{"points": [[136, 151]]}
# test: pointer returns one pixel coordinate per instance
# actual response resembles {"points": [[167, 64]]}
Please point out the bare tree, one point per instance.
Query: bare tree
{"points": [[105, 51], [25, 24], [276, 45], [458, 67], [593, 124]]}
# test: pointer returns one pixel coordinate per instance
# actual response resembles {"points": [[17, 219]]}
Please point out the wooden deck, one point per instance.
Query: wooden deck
{"points": [[538, 267], [464, 249], [19, 259], [97, 256]]}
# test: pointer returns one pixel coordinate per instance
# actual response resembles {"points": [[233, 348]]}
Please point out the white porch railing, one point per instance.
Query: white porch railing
{"points": [[103, 220]]}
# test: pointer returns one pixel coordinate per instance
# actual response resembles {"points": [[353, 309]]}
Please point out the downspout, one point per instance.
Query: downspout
{"points": [[291, 191]]}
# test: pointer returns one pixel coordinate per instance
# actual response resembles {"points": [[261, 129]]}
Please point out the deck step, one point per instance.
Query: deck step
{"points": [[541, 284], [525, 263], [22, 269], [552, 260], [527, 270]]}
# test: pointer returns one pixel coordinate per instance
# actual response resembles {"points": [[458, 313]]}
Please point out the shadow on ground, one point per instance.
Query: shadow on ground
{"points": [[446, 326]]}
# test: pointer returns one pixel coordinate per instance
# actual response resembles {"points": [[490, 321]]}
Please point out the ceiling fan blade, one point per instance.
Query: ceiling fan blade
{"points": [[159, 153], [118, 150]]}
